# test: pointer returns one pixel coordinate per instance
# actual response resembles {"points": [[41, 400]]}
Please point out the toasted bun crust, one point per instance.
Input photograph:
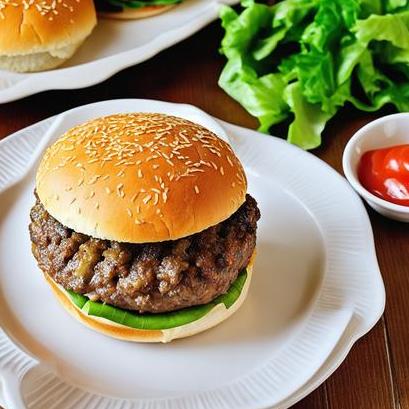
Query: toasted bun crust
{"points": [[40, 34], [37, 61], [140, 178], [217, 315], [132, 14]]}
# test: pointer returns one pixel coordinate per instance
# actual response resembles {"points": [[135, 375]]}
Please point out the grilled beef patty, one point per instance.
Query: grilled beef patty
{"points": [[150, 277]]}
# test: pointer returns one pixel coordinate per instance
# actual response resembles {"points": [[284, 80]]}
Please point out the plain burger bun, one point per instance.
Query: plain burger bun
{"points": [[217, 315], [140, 178], [38, 35], [132, 14]]}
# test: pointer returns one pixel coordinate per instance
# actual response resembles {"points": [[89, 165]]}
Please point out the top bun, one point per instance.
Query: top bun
{"points": [[140, 178], [47, 31], [128, 13]]}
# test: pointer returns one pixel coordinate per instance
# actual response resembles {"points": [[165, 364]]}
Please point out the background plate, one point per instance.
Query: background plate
{"points": [[113, 46], [316, 289]]}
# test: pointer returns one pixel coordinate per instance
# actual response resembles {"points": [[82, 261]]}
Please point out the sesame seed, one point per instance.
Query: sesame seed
{"points": [[240, 178], [195, 170], [129, 211], [197, 189], [94, 179], [69, 148]]}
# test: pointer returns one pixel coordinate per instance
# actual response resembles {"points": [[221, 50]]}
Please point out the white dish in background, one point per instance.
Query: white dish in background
{"points": [[315, 291], [388, 131], [113, 46]]}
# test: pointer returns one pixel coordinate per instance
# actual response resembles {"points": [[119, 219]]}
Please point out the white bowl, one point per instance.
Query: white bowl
{"points": [[388, 131]]}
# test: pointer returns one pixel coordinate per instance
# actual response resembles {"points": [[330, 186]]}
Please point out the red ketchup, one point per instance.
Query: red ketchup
{"points": [[385, 173]]}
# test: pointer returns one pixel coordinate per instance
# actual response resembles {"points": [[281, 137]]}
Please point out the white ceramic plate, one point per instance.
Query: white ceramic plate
{"points": [[113, 46], [316, 290]]}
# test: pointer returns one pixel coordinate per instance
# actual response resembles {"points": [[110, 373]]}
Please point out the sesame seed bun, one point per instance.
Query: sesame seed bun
{"points": [[133, 14], [37, 35], [140, 178], [214, 317]]}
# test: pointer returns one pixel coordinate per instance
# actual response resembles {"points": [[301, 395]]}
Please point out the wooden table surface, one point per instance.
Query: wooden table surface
{"points": [[375, 374]]}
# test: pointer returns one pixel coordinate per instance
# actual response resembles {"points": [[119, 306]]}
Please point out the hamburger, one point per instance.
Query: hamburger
{"points": [[142, 226], [133, 9], [37, 35]]}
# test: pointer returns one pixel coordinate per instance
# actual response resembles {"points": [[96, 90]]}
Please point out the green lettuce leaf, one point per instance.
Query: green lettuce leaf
{"points": [[308, 58], [309, 119], [157, 321], [393, 29]]}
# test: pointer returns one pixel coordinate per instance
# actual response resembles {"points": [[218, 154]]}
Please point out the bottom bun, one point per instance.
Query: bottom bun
{"points": [[214, 317], [41, 61], [133, 14]]}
